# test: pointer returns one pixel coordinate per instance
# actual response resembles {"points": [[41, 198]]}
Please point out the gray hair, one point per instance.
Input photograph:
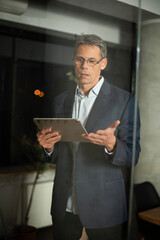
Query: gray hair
{"points": [[91, 40]]}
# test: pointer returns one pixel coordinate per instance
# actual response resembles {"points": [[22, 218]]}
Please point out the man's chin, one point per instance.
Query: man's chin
{"points": [[83, 79]]}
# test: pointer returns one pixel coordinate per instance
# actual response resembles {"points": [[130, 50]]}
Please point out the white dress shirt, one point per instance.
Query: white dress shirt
{"points": [[81, 110]]}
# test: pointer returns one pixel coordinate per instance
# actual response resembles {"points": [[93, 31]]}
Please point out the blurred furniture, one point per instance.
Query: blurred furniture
{"points": [[147, 202], [151, 215]]}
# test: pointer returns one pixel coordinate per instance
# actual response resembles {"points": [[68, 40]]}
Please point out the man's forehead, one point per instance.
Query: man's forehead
{"points": [[90, 50]]}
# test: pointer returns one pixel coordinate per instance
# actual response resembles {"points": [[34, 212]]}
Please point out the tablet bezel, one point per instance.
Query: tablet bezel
{"points": [[71, 129]]}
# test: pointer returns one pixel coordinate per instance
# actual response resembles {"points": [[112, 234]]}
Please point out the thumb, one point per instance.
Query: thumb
{"points": [[115, 124]]}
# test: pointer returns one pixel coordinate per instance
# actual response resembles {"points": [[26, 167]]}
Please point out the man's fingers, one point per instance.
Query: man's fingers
{"points": [[47, 133], [115, 124], [101, 135], [111, 127], [43, 132], [47, 138], [48, 143]]}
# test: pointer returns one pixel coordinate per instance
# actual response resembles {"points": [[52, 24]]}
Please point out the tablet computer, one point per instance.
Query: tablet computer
{"points": [[70, 128]]}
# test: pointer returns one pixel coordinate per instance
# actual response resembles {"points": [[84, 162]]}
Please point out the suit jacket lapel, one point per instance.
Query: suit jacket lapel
{"points": [[99, 106], [97, 110]]}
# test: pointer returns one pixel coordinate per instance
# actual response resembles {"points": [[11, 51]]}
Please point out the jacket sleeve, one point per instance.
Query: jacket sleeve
{"points": [[51, 158], [124, 133]]}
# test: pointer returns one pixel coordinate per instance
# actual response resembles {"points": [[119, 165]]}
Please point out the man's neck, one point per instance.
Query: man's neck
{"points": [[86, 88]]}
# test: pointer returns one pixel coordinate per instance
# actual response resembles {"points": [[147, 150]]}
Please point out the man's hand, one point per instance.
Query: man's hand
{"points": [[47, 139], [104, 137]]}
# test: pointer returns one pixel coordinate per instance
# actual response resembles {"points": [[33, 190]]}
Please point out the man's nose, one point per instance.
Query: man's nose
{"points": [[84, 64]]}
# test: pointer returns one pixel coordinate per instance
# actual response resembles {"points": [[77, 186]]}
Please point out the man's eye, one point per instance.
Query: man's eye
{"points": [[80, 59], [91, 61]]}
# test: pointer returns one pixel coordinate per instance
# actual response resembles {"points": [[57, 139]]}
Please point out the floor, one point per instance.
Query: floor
{"points": [[42, 234], [45, 234]]}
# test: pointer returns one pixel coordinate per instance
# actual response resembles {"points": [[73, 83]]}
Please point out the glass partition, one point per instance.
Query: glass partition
{"points": [[146, 174], [36, 64]]}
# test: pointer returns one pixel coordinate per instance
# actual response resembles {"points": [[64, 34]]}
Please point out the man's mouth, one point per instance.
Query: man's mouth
{"points": [[84, 74]]}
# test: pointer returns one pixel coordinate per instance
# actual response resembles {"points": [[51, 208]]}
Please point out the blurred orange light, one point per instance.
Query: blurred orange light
{"points": [[37, 92], [41, 94]]}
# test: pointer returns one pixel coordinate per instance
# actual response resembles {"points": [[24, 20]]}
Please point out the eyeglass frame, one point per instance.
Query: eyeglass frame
{"points": [[83, 60]]}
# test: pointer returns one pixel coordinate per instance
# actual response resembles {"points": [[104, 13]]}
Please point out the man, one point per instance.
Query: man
{"points": [[88, 186]]}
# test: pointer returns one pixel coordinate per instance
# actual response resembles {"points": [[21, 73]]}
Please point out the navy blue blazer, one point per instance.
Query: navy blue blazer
{"points": [[100, 190]]}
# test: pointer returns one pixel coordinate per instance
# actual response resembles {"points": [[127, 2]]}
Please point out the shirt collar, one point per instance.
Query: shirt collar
{"points": [[94, 91]]}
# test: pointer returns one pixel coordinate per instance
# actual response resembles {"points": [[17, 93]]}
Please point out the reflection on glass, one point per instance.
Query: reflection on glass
{"points": [[147, 171], [36, 64], [131, 193]]}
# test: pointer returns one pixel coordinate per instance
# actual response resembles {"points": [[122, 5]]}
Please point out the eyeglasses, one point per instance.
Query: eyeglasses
{"points": [[90, 62]]}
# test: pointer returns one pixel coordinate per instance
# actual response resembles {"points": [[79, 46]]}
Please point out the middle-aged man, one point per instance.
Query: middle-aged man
{"points": [[89, 186]]}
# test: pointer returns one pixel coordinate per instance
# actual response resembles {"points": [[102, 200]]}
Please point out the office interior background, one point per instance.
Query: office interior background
{"points": [[36, 52]]}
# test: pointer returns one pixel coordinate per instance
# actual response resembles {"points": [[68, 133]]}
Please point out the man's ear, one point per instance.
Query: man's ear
{"points": [[103, 63]]}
